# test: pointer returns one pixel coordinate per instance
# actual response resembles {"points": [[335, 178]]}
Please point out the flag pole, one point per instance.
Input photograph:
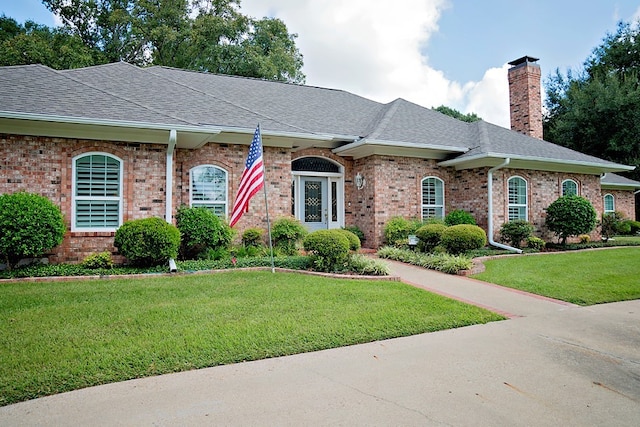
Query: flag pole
{"points": [[266, 205]]}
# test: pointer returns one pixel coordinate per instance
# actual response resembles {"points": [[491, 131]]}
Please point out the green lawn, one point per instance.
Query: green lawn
{"points": [[585, 277], [61, 336]]}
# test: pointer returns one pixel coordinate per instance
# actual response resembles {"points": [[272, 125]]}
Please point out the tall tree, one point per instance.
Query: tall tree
{"points": [[597, 110], [32, 43], [206, 35]]}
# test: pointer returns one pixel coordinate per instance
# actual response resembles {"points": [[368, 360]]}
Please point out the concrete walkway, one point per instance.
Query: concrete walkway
{"points": [[551, 364]]}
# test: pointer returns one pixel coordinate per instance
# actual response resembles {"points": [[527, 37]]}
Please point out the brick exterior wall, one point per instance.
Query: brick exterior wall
{"points": [[525, 101], [393, 186]]}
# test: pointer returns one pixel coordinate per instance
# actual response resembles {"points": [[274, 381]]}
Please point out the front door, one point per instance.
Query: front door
{"points": [[315, 206]]}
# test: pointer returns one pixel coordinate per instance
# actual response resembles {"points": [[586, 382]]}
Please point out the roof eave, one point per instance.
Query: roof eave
{"points": [[367, 147]]}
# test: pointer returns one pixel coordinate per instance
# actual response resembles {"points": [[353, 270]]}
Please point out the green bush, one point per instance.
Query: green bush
{"points": [[535, 243], [430, 236], [571, 216], [201, 230], [354, 241], [148, 241], [30, 225], [397, 230], [458, 216], [624, 227], [514, 232], [328, 249], [366, 266], [460, 238], [356, 230], [609, 224], [635, 227], [253, 237], [446, 263], [286, 233], [99, 260]]}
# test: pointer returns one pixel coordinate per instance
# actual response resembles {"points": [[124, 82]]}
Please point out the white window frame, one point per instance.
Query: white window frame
{"points": [[436, 205], [518, 206], [577, 193], [209, 203], [75, 198], [613, 203]]}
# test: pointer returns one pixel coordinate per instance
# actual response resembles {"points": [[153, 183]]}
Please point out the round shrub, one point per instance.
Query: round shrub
{"points": [[430, 236], [514, 232], [624, 227], [147, 242], [571, 216], [99, 260], [201, 230], [458, 216], [328, 249], [286, 233], [397, 230], [252, 237], [354, 241], [355, 230], [463, 237], [30, 225], [535, 243]]}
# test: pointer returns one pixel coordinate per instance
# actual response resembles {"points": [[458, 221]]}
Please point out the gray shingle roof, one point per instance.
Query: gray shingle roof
{"points": [[167, 96], [615, 180]]}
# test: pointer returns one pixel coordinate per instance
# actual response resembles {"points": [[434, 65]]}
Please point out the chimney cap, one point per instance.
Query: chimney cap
{"points": [[523, 60]]}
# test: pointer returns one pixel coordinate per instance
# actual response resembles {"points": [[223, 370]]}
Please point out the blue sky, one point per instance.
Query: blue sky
{"points": [[431, 52]]}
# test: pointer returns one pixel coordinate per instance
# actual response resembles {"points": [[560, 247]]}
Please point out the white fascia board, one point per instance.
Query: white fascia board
{"points": [[611, 167], [209, 129]]}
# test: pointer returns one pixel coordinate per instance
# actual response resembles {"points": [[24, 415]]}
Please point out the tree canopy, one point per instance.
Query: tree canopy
{"points": [[597, 110], [203, 35], [469, 118]]}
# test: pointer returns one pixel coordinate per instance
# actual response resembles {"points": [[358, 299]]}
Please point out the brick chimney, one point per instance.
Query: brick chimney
{"points": [[525, 101]]}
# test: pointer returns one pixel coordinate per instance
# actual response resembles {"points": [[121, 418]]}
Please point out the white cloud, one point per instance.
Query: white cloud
{"points": [[373, 49]]}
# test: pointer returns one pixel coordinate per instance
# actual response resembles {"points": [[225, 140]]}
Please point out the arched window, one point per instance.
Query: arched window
{"points": [[432, 198], [209, 189], [609, 203], [517, 198], [97, 192], [569, 187]]}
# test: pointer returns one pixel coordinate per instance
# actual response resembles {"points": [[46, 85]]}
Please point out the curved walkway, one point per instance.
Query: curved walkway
{"points": [[551, 364]]}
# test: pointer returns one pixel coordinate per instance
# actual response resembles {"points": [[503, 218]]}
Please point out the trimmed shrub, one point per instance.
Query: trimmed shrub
{"points": [[624, 227], [430, 236], [253, 237], [584, 238], [571, 216], [635, 227], [397, 230], [99, 260], [286, 233], [458, 216], [609, 224], [30, 225], [356, 230], [446, 263], [354, 241], [460, 238], [328, 249], [201, 230], [535, 243], [514, 232], [147, 242]]}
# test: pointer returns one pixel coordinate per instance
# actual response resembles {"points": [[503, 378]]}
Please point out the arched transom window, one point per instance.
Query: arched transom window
{"points": [[569, 187], [432, 198]]}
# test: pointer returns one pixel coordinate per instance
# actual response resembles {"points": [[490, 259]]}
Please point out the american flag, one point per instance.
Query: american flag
{"points": [[252, 178]]}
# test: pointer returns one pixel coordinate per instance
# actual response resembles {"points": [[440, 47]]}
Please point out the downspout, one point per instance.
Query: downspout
{"points": [[173, 136], [490, 194]]}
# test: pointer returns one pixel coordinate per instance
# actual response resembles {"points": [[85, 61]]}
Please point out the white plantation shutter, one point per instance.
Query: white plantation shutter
{"points": [[97, 192]]}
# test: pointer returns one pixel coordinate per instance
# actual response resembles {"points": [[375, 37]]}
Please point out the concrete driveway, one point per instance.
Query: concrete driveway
{"points": [[550, 364]]}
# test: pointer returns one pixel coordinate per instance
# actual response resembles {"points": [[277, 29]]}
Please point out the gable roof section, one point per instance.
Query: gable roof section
{"points": [[612, 181], [120, 101]]}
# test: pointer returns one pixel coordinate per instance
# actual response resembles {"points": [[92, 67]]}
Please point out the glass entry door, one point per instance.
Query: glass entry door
{"points": [[315, 206]]}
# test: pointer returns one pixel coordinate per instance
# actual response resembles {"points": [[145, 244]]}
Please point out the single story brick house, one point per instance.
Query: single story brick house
{"points": [[117, 142]]}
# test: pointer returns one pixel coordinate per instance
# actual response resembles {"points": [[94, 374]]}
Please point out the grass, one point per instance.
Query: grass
{"points": [[584, 278], [61, 336]]}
